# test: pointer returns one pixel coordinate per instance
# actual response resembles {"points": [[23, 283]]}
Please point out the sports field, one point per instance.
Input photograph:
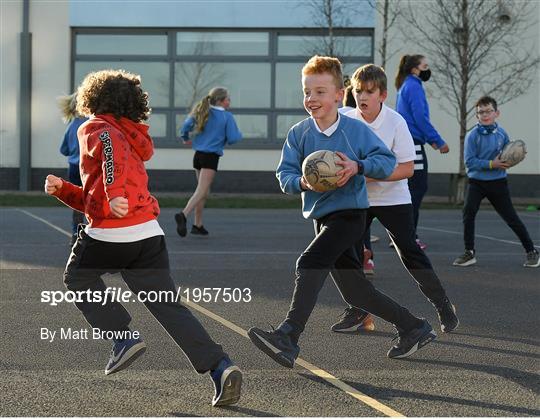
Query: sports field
{"points": [[488, 367]]}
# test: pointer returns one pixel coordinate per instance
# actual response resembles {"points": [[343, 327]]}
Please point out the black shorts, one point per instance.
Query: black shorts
{"points": [[202, 160]]}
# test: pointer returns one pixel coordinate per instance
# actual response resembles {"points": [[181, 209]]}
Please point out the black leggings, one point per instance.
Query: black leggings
{"points": [[418, 182]]}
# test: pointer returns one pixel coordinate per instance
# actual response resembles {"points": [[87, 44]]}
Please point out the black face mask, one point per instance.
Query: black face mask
{"points": [[425, 75]]}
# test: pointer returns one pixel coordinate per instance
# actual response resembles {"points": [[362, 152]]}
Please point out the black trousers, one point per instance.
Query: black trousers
{"points": [[332, 251], [399, 223], [498, 194], [418, 182], [144, 266]]}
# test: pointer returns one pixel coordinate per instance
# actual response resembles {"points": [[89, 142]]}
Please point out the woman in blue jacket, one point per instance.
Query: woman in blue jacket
{"points": [[214, 127], [411, 103]]}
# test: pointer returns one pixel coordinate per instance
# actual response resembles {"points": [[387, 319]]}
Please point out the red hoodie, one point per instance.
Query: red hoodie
{"points": [[111, 165]]}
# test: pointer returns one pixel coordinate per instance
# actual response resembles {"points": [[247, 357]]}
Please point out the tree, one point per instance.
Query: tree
{"points": [[197, 78], [476, 48], [329, 14], [389, 10]]}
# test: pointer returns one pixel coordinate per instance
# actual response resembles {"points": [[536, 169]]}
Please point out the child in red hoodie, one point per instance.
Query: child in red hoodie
{"points": [[123, 234]]}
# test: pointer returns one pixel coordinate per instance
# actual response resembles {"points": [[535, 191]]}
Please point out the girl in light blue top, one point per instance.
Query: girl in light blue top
{"points": [[214, 127]]}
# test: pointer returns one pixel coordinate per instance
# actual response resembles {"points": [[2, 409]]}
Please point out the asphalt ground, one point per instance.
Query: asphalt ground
{"points": [[488, 367]]}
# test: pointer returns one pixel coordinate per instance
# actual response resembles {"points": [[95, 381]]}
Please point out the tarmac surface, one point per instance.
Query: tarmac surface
{"points": [[488, 367]]}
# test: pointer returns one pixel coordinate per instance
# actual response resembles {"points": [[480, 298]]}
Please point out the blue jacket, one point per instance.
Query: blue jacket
{"points": [[480, 149], [70, 143], [412, 104], [353, 138], [220, 129]]}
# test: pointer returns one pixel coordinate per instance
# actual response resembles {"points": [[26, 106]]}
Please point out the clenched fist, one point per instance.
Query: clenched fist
{"points": [[119, 206], [53, 184]]}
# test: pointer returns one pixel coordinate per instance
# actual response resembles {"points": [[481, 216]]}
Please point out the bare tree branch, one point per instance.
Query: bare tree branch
{"points": [[473, 51]]}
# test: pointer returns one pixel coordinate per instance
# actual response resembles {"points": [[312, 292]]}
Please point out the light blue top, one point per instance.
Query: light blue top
{"points": [[412, 104], [220, 129], [70, 143], [353, 138], [480, 149]]}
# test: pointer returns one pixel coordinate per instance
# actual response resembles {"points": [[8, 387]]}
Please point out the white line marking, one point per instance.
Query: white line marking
{"points": [[364, 398], [336, 382], [61, 230], [476, 235]]}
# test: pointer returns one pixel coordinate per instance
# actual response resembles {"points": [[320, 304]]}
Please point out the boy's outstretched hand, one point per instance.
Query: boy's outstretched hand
{"points": [[350, 168], [119, 206], [53, 184]]}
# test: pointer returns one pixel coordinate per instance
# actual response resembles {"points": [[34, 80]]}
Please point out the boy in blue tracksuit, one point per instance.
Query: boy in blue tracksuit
{"points": [[339, 217], [487, 179]]}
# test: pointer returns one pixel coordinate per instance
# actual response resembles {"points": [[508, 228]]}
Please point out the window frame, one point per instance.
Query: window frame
{"points": [[272, 58]]}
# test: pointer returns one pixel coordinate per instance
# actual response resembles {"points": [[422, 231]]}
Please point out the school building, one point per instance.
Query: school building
{"points": [[182, 48]]}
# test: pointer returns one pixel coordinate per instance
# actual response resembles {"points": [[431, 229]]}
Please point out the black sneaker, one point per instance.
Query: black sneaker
{"points": [[447, 316], [354, 320], [533, 259], [276, 344], [466, 259], [123, 354], [227, 379], [409, 342], [200, 231], [181, 223]]}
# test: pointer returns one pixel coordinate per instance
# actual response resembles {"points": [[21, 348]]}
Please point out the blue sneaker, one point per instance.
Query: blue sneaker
{"points": [[123, 354], [227, 379]]}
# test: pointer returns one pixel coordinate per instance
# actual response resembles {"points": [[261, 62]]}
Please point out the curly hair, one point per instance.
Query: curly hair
{"points": [[114, 92]]}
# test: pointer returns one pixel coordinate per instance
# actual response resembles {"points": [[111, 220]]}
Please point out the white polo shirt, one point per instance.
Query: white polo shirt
{"points": [[392, 129]]}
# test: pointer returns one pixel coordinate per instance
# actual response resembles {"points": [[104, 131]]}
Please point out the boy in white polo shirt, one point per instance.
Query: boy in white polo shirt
{"points": [[390, 199]]}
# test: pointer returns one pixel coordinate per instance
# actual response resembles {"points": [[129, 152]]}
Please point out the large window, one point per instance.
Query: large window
{"points": [[261, 69]]}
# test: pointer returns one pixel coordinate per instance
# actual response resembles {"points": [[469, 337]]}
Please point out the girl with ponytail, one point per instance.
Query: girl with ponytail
{"points": [[412, 104], [213, 127]]}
